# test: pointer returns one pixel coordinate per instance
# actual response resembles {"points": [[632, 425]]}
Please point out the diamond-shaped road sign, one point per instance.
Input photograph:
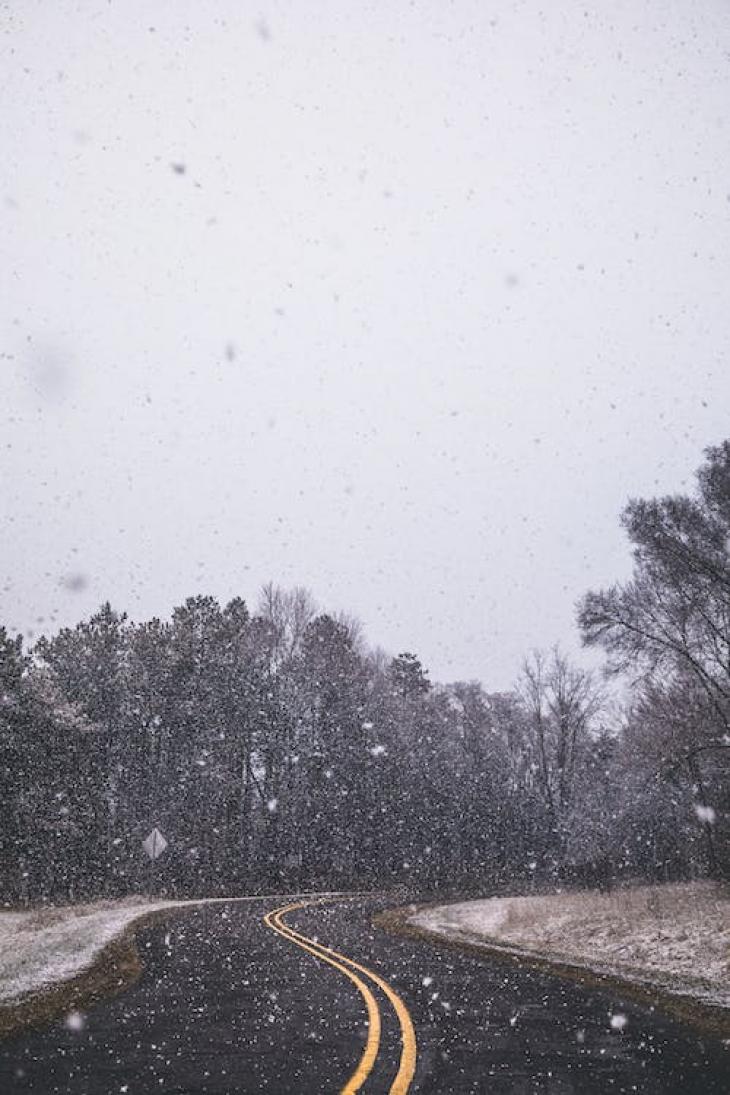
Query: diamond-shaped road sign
{"points": [[154, 844]]}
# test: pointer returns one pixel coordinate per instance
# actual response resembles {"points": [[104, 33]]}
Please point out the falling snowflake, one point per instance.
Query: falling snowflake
{"points": [[618, 1021]]}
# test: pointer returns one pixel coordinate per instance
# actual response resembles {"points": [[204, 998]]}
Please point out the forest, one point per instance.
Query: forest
{"points": [[275, 750]]}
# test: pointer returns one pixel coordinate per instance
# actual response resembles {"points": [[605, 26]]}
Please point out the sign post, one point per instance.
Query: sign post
{"points": [[154, 844]]}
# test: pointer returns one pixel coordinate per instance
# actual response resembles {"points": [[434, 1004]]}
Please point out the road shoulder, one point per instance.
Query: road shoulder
{"points": [[115, 967], [702, 1016]]}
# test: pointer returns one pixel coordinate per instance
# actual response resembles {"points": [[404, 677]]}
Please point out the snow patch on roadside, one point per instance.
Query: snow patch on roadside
{"points": [[45, 946], [674, 937]]}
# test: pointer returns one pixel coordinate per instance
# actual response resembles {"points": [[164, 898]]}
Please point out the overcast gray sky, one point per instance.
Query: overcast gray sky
{"points": [[398, 301]]}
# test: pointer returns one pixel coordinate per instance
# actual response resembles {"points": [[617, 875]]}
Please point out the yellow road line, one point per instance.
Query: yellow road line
{"points": [[372, 1044], [407, 1065]]}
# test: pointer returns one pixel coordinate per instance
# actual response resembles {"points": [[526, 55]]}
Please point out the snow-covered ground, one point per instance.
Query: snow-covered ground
{"points": [[675, 937], [45, 946]]}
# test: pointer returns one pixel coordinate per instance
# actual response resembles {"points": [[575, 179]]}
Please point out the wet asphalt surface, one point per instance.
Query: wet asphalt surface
{"points": [[225, 1006]]}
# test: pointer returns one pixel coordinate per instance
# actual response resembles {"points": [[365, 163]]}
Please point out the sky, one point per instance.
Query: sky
{"points": [[397, 301]]}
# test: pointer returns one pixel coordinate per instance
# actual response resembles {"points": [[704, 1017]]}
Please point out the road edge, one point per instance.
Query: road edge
{"points": [[706, 1018], [116, 966]]}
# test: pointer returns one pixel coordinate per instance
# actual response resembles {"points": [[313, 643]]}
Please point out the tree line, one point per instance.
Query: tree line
{"points": [[274, 749]]}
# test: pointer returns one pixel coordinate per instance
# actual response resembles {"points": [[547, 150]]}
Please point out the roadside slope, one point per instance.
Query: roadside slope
{"points": [[672, 940], [56, 959], [45, 946]]}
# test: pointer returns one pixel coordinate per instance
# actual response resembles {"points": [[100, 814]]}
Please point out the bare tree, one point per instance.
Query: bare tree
{"points": [[673, 616], [288, 612], [561, 702], [669, 626]]}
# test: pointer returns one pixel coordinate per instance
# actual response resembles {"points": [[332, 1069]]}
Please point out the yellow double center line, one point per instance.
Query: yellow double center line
{"points": [[407, 1066]]}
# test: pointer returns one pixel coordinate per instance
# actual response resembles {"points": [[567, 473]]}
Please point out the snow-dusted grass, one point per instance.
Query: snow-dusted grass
{"points": [[675, 937], [46, 946]]}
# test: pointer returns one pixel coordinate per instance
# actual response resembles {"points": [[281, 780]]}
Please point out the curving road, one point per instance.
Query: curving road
{"points": [[309, 997]]}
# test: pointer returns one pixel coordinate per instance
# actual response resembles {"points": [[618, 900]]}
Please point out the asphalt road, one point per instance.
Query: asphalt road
{"points": [[230, 1003]]}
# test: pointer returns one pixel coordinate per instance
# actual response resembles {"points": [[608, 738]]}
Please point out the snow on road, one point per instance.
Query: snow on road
{"points": [[675, 937]]}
